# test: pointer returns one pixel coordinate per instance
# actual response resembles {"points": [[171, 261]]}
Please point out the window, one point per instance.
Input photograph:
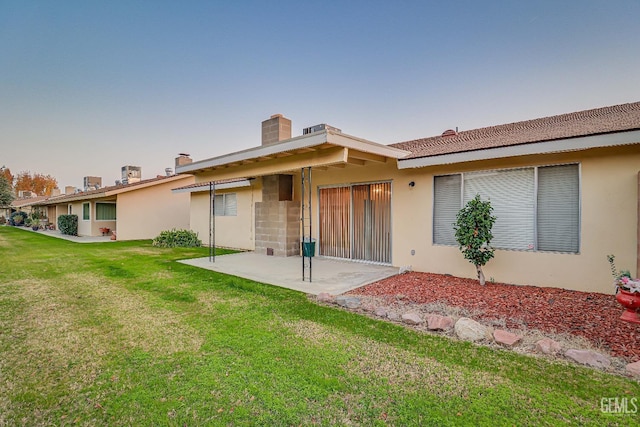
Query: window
{"points": [[70, 209], [105, 211], [85, 211], [536, 208], [226, 204]]}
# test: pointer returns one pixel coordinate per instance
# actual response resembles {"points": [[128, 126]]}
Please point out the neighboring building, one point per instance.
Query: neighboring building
{"points": [[564, 189], [26, 205], [139, 210]]}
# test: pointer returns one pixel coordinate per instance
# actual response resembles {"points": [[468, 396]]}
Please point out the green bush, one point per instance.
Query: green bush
{"points": [[177, 238], [17, 218], [68, 224]]}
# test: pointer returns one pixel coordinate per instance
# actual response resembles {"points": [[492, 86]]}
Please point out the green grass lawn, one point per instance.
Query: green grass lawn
{"points": [[119, 333]]}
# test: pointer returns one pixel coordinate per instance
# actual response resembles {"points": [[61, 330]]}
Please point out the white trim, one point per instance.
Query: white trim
{"points": [[205, 186], [304, 141], [546, 147]]}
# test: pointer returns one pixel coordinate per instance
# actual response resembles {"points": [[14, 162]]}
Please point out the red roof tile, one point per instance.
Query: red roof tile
{"points": [[617, 118]]}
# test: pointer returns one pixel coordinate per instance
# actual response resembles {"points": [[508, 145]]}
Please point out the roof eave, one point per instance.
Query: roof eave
{"points": [[300, 142], [542, 147]]}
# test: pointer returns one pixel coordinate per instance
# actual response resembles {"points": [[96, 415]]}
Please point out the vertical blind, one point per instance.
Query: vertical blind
{"points": [[355, 222], [542, 214]]}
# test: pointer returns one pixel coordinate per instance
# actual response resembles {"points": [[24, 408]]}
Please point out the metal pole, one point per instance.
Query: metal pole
{"points": [[212, 222]]}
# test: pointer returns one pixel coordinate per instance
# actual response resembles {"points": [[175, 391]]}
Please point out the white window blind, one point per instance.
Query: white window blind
{"points": [[511, 193], [447, 200], [558, 208], [226, 204], [539, 215]]}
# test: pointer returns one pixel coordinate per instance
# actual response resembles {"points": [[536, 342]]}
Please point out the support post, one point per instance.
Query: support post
{"points": [[212, 222]]}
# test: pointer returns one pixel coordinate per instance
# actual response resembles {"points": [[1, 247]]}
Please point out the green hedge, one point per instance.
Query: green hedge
{"points": [[177, 238], [68, 224]]}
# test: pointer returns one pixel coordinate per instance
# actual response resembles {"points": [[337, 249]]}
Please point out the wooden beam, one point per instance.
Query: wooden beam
{"points": [[353, 161], [367, 156]]}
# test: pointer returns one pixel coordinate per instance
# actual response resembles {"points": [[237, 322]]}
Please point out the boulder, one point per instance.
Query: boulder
{"points": [[348, 301], [634, 368], [470, 330], [506, 338], [435, 322], [589, 358], [548, 346], [412, 318], [380, 312], [392, 315], [325, 297]]}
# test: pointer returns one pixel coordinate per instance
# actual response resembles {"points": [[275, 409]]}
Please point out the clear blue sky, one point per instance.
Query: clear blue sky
{"points": [[89, 86]]}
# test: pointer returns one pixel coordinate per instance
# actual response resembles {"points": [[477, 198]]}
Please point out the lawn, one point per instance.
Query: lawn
{"points": [[119, 333]]}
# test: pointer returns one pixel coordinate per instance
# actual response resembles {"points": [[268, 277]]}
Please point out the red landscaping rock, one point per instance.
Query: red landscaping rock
{"points": [[412, 318], [506, 338], [435, 322], [591, 315], [548, 346], [588, 357], [325, 297], [634, 368]]}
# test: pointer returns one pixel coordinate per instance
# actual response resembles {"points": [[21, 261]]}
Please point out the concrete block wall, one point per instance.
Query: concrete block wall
{"points": [[277, 222]]}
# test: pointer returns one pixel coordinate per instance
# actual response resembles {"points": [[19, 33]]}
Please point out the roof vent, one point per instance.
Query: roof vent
{"points": [[449, 132]]}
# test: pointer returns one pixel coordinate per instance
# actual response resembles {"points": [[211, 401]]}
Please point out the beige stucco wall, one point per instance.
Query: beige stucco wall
{"points": [[145, 212], [609, 200], [608, 224], [231, 231]]}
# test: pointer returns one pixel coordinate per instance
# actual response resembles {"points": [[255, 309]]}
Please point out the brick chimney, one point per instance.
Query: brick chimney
{"points": [[183, 159], [275, 129]]}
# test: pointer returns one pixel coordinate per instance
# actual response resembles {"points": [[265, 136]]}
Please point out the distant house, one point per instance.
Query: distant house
{"points": [[25, 204], [139, 210], [564, 189]]}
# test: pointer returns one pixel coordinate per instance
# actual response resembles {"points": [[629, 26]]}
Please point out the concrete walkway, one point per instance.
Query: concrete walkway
{"points": [[77, 239], [332, 276]]}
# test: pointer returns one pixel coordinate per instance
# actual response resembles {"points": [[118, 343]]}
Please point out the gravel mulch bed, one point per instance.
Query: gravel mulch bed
{"points": [[590, 315]]}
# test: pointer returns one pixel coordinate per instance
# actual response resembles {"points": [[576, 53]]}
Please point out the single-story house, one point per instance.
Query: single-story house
{"points": [[564, 190], [138, 210]]}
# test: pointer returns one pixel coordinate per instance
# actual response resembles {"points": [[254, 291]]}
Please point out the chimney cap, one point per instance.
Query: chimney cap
{"points": [[184, 154], [273, 116]]}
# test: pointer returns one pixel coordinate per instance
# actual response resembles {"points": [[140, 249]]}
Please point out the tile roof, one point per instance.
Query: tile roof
{"points": [[102, 191], [617, 118], [27, 201]]}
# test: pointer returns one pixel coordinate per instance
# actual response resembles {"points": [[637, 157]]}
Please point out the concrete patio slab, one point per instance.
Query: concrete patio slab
{"points": [[329, 275]]}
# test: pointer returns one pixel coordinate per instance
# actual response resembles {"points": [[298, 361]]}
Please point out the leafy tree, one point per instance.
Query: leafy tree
{"points": [[40, 184], [473, 233], [6, 172], [6, 195]]}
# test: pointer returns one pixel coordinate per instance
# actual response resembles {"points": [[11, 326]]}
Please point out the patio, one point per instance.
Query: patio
{"points": [[329, 275]]}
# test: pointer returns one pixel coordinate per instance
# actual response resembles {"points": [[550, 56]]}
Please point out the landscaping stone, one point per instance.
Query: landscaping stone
{"points": [[412, 318], [349, 302], [380, 312], [325, 297], [633, 368], [506, 338], [548, 346], [435, 322], [470, 330], [392, 315], [588, 357]]}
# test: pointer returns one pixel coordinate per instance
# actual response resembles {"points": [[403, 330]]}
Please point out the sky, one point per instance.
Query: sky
{"points": [[87, 87]]}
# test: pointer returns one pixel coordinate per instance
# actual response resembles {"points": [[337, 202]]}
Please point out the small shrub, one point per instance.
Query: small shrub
{"points": [[17, 218], [68, 224], [177, 238]]}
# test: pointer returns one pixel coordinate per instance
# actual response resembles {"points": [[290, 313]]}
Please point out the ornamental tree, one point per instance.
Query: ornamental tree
{"points": [[473, 233]]}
